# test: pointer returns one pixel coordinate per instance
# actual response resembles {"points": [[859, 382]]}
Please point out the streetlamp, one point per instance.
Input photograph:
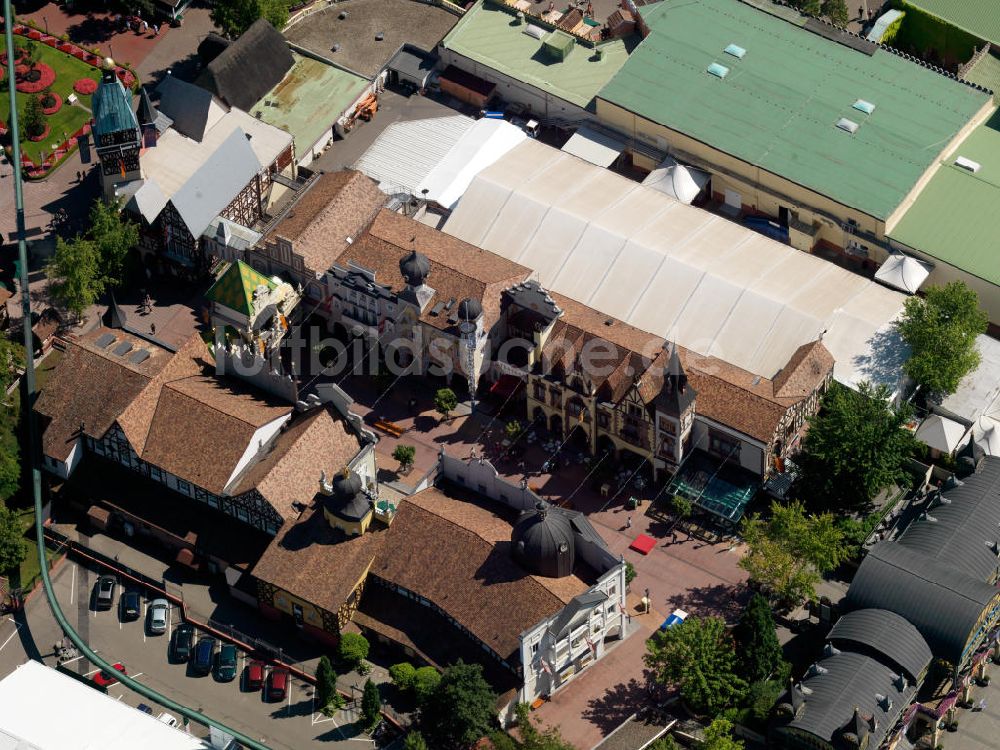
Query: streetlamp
{"points": [[46, 20]]}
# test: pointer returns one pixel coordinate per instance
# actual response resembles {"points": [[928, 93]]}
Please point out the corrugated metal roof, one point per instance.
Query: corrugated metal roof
{"points": [[220, 179], [851, 681], [965, 528], [777, 107], [887, 633], [943, 603], [112, 107], [977, 17]]}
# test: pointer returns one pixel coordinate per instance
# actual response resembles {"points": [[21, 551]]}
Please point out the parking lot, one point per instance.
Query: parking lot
{"points": [[290, 723]]}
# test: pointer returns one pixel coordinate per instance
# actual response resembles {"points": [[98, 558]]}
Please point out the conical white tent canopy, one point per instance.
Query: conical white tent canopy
{"points": [[941, 433], [987, 436], [903, 272], [677, 181]]}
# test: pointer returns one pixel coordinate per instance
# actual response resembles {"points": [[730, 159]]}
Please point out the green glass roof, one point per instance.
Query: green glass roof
{"points": [[112, 108], [235, 288], [778, 106], [955, 217], [489, 35], [981, 18]]}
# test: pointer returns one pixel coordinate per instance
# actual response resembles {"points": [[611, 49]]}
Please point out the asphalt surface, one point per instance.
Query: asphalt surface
{"points": [[292, 723]]}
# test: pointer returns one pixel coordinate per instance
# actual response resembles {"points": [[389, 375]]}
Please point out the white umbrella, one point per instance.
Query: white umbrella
{"points": [[941, 433], [903, 272]]}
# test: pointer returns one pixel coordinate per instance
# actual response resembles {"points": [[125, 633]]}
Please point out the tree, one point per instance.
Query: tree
{"points": [[114, 236], [680, 506], [789, 551], [512, 429], [414, 741], [630, 573], [719, 736], [425, 681], [12, 361], [836, 11], [445, 402], [856, 447], [10, 460], [941, 330], [33, 117], [532, 736], [760, 655], [460, 710], [371, 704], [403, 675], [666, 742], [809, 7], [326, 682], [405, 455], [75, 273], [235, 16], [13, 547], [698, 657], [353, 648]]}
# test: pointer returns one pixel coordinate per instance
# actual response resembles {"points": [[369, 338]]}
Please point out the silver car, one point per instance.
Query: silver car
{"points": [[158, 616]]}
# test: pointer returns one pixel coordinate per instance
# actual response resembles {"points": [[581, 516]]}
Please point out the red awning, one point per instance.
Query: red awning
{"points": [[506, 386]]}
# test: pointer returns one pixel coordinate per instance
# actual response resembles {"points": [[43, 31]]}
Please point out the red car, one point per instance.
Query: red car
{"points": [[255, 675], [105, 679], [277, 685]]}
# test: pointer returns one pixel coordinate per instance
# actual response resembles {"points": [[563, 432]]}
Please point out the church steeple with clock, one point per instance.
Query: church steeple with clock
{"points": [[117, 138]]}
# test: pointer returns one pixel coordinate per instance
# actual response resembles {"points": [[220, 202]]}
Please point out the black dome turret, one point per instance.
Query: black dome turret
{"points": [[544, 542], [469, 310], [415, 268], [347, 501]]}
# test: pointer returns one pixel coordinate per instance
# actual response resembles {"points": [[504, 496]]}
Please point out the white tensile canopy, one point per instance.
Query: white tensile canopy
{"points": [[693, 277], [942, 434], [986, 435], [903, 272], [677, 180]]}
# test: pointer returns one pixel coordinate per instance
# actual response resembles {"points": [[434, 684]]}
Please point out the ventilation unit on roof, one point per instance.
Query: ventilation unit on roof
{"points": [[105, 340], [123, 348], [735, 50], [847, 125], [972, 166], [138, 357], [719, 71], [862, 106], [536, 32]]}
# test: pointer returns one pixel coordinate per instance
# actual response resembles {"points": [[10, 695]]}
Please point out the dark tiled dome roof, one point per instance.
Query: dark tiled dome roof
{"points": [[415, 268], [347, 500], [543, 542]]}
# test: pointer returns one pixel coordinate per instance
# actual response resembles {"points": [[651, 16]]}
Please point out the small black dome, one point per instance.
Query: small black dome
{"points": [[347, 500], [469, 310], [543, 542], [415, 268]]}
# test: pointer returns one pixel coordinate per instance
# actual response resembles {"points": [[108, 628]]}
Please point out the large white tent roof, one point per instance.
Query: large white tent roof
{"points": [[903, 272], [691, 276], [46, 710]]}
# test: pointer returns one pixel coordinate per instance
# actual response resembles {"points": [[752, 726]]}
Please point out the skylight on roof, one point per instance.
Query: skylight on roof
{"points": [[863, 106], [719, 71], [735, 50], [847, 125]]}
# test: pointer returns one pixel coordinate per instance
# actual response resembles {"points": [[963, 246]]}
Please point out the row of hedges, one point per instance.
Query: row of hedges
{"points": [[929, 37]]}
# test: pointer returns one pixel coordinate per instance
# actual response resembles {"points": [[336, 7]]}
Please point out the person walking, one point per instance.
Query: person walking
{"points": [[628, 522]]}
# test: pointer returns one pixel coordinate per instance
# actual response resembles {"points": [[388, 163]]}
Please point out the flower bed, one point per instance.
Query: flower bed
{"points": [[85, 86], [43, 136], [56, 106], [33, 80]]}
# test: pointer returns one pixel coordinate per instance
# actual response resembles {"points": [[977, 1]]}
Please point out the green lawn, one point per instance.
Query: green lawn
{"points": [[30, 569], [70, 117]]}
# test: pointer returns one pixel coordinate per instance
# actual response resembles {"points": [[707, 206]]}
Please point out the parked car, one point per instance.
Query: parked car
{"points": [[145, 709], [255, 673], [225, 663], [104, 593], [106, 679], [277, 684], [130, 604], [168, 719], [183, 643], [204, 655], [676, 618], [158, 616]]}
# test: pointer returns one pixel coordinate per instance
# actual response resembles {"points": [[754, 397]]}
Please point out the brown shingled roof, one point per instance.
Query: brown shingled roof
{"points": [[337, 206], [290, 472], [806, 369], [92, 386], [458, 269], [203, 426]]}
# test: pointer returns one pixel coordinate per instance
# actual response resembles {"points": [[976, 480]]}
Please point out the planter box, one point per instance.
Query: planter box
{"points": [[35, 35]]}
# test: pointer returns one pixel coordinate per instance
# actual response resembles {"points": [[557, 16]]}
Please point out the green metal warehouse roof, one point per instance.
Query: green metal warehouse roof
{"points": [[956, 218], [778, 105], [489, 35], [981, 18]]}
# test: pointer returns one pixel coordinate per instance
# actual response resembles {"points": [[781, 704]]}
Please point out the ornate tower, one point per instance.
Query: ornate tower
{"points": [[116, 132]]}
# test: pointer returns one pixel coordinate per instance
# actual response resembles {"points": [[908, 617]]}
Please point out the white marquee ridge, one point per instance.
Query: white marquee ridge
{"points": [[694, 277]]}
